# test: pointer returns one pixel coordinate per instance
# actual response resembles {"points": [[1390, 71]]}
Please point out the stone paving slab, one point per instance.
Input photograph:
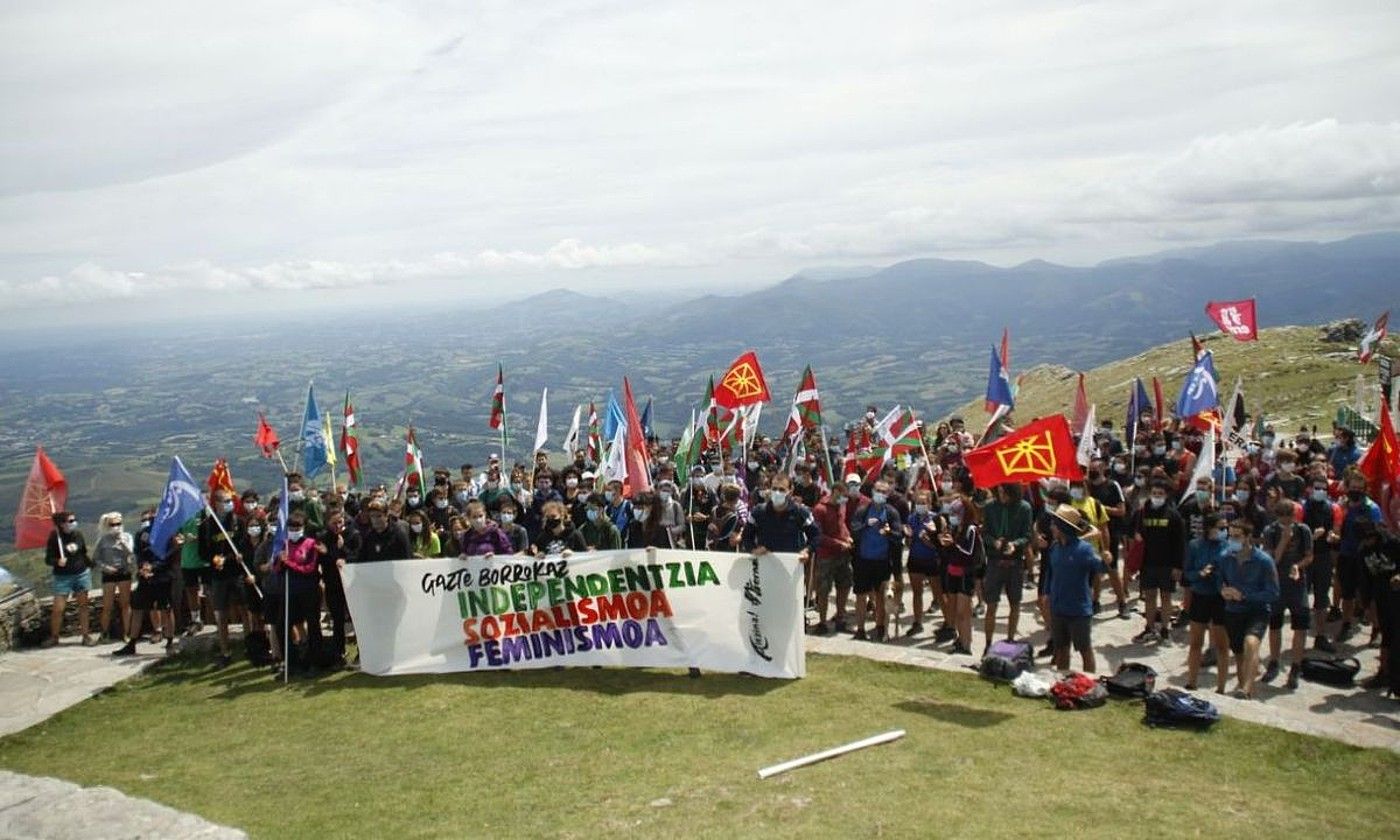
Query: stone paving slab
{"points": [[1351, 715], [36, 684], [34, 808]]}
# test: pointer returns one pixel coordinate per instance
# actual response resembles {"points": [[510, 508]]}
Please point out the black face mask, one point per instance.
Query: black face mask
{"points": [[1355, 495]]}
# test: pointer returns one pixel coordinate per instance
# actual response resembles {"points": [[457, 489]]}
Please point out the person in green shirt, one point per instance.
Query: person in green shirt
{"points": [[599, 533], [1005, 533], [194, 577]]}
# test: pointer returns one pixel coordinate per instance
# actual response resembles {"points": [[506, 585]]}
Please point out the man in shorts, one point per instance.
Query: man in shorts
{"points": [[1073, 569], [1206, 614], [1289, 542], [153, 588], [874, 527], [1006, 531], [833, 558], [226, 576], [1163, 536], [1249, 584]]}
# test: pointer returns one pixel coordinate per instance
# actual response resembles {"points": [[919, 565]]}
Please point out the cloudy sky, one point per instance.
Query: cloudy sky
{"points": [[158, 153]]}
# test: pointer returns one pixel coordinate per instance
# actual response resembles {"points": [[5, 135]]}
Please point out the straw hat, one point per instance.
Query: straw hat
{"points": [[1072, 517]]}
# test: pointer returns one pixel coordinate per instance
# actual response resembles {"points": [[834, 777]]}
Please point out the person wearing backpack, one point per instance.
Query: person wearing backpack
{"points": [[1289, 542], [1207, 611], [1073, 569], [875, 527], [1249, 584]]}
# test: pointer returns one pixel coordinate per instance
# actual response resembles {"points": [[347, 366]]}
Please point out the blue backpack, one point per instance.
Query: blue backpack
{"points": [[1177, 709]]}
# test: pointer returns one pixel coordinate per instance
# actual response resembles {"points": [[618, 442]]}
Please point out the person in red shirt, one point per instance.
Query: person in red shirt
{"points": [[833, 564]]}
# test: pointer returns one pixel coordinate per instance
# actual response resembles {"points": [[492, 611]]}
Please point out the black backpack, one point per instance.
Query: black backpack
{"points": [[1324, 668], [1133, 679], [1006, 660], [1179, 710]]}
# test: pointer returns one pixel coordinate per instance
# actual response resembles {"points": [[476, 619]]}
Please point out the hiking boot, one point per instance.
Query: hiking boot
{"points": [[1270, 671], [944, 634], [1145, 637], [1292, 683], [914, 629], [128, 649], [1325, 645]]}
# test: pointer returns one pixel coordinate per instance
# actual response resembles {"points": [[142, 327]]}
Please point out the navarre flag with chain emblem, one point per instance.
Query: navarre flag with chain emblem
{"points": [[45, 493], [1040, 449], [743, 384]]}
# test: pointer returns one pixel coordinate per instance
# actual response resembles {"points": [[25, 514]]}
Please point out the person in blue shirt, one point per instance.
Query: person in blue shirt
{"points": [[1072, 571], [1249, 584], [1207, 610], [1343, 452]]}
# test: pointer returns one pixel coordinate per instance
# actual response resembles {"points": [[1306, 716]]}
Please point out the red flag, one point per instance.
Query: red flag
{"points": [[220, 479], [1381, 463], [743, 384], [1371, 340], [1081, 405], [1235, 317], [1159, 410], [266, 438], [1040, 449], [637, 458], [45, 493]]}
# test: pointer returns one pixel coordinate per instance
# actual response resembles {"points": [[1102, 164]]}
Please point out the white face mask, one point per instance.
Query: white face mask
{"points": [[1076, 493], [642, 515], [296, 495], [463, 496], [227, 507], [413, 500], [571, 482], [440, 504], [295, 535], [416, 527], [254, 530], [778, 498], [1157, 501], [878, 498], [479, 522], [507, 518], [665, 498]]}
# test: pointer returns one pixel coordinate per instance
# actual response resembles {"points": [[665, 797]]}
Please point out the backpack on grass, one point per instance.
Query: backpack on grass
{"points": [[1078, 691], [1133, 679], [1177, 709], [1324, 668], [1007, 660]]}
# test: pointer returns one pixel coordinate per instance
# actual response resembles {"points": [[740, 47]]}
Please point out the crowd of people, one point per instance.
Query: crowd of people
{"points": [[1282, 532]]}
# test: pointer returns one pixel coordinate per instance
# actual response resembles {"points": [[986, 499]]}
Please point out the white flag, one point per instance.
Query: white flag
{"points": [[614, 465], [1085, 453], [1205, 465], [541, 433], [571, 439]]}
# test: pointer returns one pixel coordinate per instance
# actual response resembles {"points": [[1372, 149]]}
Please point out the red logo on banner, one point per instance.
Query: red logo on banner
{"points": [[1235, 317]]}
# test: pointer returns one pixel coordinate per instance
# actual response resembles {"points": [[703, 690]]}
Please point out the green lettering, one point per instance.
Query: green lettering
{"points": [[517, 597], [707, 574], [535, 590], [615, 579], [637, 579]]}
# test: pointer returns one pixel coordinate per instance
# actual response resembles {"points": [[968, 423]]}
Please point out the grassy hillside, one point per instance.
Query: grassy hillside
{"points": [[1291, 374]]}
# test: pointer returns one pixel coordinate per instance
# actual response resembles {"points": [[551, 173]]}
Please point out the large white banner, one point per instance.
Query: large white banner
{"points": [[635, 607]]}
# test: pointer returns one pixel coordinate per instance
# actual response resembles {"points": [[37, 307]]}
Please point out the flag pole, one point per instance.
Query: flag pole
{"points": [[237, 555]]}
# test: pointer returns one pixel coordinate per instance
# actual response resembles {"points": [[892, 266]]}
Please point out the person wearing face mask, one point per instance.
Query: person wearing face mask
{"points": [[876, 526], [543, 493], [307, 504], [383, 539], [1007, 532], [726, 522], [509, 520], [1158, 525], [1320, 515], [484, 537], [619, 510], [493, 490], [577, 497], [781, 524], [439, 509], [114, 555], [1343, 453], [1380, 557], [645, 530], [1249, 584], [1285, 478], [220, 554], [299, 565], [1290, 544], [1207, 610], [833, 558], [597, 530], [66, 554], [1358, 510], [1073, 565], [960, 553], [153, 589], [670, 513], [698, 504], [423, 539], [557, 537]]}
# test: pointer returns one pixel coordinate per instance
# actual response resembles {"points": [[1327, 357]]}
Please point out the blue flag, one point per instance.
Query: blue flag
{"points": [[279, 537], [613, 417], [181, 502], [1199, 392], [647, 431], [998, 383], [314, 456]]}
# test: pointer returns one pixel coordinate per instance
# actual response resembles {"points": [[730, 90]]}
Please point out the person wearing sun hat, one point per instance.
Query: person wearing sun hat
{"points": [[1072, 571]]}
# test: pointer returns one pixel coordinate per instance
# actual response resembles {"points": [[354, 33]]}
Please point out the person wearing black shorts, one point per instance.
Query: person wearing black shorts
{"points": [[153, 588], [1249, 584], [960, 552], [1319, 516], [1290, 543], [1207, 610], [873, 528], [922, 535], [1163, 536]]}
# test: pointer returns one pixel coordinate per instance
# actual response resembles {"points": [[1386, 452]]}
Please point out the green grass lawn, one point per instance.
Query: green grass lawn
{"points": [[578, 752]]}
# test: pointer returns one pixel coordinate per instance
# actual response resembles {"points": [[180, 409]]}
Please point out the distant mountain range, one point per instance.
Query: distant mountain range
{"points": [[114, 406]]}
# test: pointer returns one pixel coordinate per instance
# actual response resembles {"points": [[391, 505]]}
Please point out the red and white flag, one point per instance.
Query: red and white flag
{"points": [[45, 493], [1235, 317], [1371, 340]]}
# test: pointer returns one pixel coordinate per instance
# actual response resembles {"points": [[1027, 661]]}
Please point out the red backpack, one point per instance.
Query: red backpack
{"points": [[1078, 691]]}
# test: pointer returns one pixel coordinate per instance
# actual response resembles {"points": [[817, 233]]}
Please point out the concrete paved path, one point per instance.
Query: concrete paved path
{"points": [[36, 684], [1350, 715], [50, 809]]}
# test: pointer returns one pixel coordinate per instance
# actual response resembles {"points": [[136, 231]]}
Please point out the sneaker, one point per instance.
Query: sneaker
{"points": [[860, 636], [89, 641], [1182, 619], [1325, 645], [169, 644], [1376, 681], [1348, 630], [1145, 637], [1190, 686], [128, 649], [880, 634], [914, 629], [1292, 683], [944, 634], [979, 611], [1239, 694], [1045, 652], [961, 649], [1270, 671], [49, 642], [1124, 611]]}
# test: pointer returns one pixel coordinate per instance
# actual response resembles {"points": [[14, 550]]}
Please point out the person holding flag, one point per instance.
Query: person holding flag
{"points": [[66, 553], [181, 502]]}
